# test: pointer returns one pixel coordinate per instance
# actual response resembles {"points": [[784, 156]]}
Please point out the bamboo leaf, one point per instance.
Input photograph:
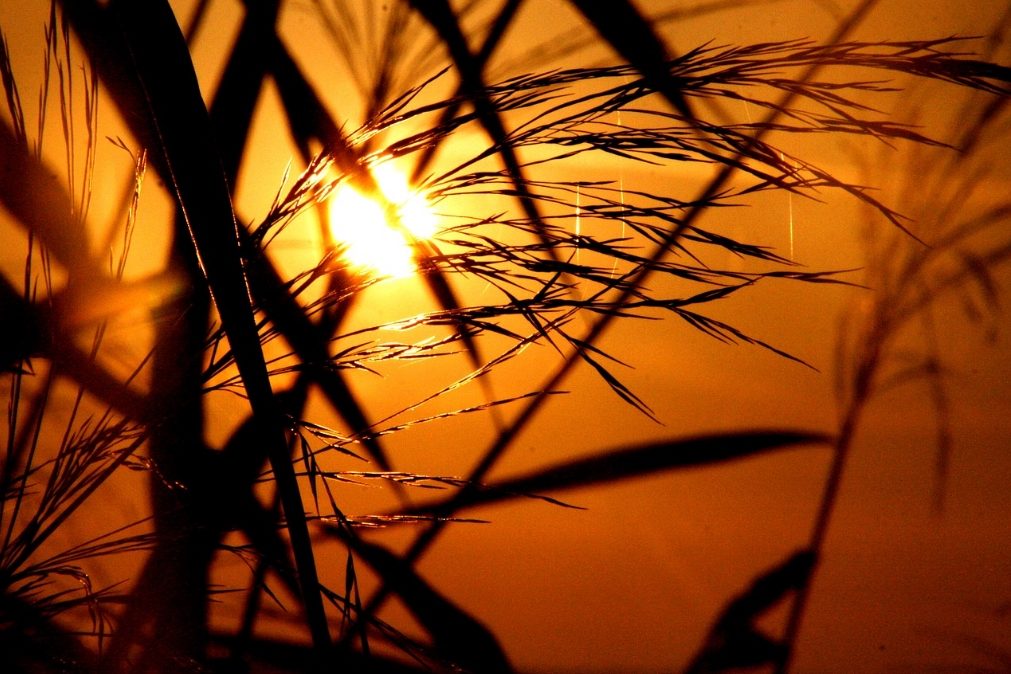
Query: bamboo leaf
{"points": [[626, 463], [234, 101], [492, 40], [625, 29], [441, 16], [734, 640], [458, 637]]}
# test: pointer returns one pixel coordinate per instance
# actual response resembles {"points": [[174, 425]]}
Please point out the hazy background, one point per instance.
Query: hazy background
{"points": [[633, 582]]}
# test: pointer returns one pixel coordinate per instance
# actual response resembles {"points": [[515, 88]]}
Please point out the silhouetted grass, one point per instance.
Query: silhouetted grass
{"points": [[226, 318]]}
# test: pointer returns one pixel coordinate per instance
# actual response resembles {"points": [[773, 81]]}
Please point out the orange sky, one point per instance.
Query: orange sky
{"points": [[632, 583]]}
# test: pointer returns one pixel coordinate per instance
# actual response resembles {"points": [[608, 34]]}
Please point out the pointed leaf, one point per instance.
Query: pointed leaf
{"points": [[625, 29], [735, 641], [234, 102], [458, 637], [626, 463], [444, 20]]}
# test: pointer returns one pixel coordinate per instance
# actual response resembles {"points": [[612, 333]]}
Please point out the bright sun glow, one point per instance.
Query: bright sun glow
{"points": [[372, 242]]}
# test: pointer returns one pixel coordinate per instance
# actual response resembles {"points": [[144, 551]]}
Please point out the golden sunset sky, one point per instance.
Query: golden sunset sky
{"points": [[632, 583]]}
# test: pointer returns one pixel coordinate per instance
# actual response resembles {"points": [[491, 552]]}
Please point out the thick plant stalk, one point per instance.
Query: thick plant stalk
{"points": [[166, 93], [179, 498]]}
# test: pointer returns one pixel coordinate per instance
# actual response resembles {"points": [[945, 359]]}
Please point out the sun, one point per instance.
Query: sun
{"points": [[371, 242]]}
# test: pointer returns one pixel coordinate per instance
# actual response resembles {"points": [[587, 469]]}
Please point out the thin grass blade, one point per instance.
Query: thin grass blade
{"points": [[627, 463], [458, 637]]}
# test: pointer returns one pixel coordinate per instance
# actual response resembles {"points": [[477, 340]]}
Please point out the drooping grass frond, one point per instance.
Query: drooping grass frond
{"points": [[574, 124]]}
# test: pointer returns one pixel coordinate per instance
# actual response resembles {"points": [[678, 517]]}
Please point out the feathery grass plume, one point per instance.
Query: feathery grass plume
{"points": [[959, 242]]}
